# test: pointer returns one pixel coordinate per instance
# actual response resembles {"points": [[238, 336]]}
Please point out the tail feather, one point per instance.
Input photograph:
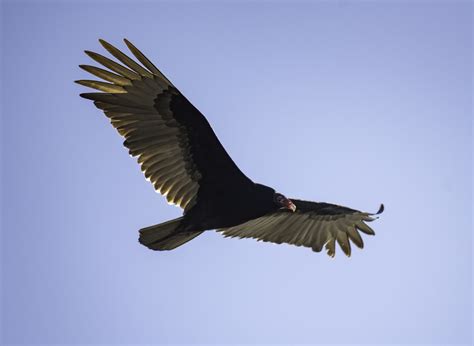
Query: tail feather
{"points": [[165, 236]]}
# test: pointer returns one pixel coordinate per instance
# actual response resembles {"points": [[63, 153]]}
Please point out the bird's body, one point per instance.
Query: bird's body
{"points": [[182, 157], [232, 207]]}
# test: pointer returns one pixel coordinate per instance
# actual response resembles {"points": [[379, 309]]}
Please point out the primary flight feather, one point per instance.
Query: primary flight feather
{"points": [[181, 156]]}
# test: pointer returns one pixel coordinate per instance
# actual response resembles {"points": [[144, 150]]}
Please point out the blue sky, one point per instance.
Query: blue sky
{"points": [[354, 103]]}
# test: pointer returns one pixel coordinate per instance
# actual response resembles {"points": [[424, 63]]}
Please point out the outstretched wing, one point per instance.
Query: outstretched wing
{"points": [[175, 145], [313, 225]]}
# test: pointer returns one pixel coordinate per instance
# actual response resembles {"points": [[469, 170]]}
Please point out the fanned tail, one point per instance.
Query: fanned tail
{"points": [[165, 236]]}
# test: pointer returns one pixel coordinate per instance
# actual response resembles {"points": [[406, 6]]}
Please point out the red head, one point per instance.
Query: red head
{"points": [[283, 202]]}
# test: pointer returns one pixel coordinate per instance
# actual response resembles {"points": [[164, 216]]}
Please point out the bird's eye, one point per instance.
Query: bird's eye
{"points": [[279, 198]]}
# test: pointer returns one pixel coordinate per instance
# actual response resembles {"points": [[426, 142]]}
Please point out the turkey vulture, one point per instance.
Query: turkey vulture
{"points": [[181, 156]]}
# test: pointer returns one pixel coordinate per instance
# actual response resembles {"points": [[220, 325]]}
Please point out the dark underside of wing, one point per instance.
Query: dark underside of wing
{"points": [[314, 225], [176, 147]]}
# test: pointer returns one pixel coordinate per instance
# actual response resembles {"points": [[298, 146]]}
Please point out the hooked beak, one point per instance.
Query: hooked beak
{"points": [[290, 205]]}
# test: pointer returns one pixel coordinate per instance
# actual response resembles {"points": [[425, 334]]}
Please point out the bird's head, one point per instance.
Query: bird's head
{"points": [[283, 202]]}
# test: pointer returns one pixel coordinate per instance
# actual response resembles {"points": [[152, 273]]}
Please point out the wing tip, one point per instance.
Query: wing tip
{"points": [[103, 42], [129, 44], [90, 54], [378, 212], [381, 209], [90, 96], [108, 46]]}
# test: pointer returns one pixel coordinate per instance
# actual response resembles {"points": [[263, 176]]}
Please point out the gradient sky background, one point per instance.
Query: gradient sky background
{"points": [[346, 102]]}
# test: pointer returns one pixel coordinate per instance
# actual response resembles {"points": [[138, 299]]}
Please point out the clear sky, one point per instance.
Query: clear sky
{"points": [[354, 103]]}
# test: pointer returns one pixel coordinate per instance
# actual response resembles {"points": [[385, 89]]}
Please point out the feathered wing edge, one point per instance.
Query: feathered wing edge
{"points": [[151, 134], [308, 229]]}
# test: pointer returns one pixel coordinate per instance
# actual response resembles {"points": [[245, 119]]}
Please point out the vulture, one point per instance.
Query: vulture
{"points": [[180, 154]]}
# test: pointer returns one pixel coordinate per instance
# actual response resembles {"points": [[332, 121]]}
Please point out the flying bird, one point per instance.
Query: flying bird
{"points": [[181, 156]]}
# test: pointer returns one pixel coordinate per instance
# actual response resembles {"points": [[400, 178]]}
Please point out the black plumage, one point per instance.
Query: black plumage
{"points": [[182, 157]]}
